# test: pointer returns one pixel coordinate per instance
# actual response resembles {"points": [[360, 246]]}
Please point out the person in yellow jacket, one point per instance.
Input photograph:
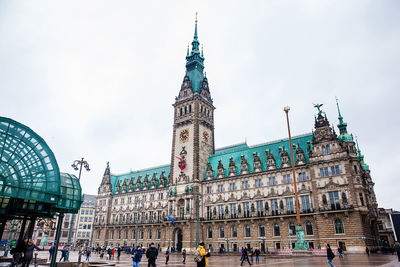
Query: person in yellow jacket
{"points": [[204, 254]]}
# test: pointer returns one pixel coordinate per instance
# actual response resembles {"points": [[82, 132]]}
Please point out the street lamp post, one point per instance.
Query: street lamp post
{"points": [[81, 163], [300, 243], [227, 245]]}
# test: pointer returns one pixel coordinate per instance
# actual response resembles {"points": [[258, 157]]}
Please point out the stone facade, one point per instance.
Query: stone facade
{"points": [[240, 195]]}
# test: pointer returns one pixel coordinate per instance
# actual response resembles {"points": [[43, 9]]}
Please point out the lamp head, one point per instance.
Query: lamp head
{"points": [[286, 109]]}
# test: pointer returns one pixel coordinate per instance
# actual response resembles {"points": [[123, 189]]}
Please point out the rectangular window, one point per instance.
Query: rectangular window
{"points": [[305, 203], [258, 183], [302, 176], [234, 231], [246, 206], [245, 185], [272, 181], [322, 172], [362, 199], [247, 231], [334, 200], [259, 205], [333, 170], [289, 204], [91, 212], [232, 186], [337, 169], [274, 205], [221, 210], [209, 189], [233, 209], [326, 171], [82, 212]]}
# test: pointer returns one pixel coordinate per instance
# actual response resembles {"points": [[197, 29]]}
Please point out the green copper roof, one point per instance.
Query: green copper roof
{"points": [[28, 168], [195, 64], [274, 147], [142, 175]]}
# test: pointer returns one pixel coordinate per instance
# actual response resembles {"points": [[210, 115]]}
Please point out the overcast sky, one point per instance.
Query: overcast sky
{"points": [[96, 79]]}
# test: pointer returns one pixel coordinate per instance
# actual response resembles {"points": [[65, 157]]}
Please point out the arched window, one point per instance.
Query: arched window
{"points": [[324, 200], [328, 149], [339, 229], [209, 232], [323, 150], [190, 108], [234, 231], [180, 112], [119, 234], [221, 232], [261, 230], [277, 231], [247, 230], [185, 110], [133, 234], [292, 228], [126, 234], [309, 230], [344, 197]]}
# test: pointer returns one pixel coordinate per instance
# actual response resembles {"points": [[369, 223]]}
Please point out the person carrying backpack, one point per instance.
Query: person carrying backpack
{"points": [[330, 255], [201, 256], [136, 256]]}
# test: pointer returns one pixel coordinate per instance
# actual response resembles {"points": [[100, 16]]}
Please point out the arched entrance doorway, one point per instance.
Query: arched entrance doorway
{"points": [[178, 238]]}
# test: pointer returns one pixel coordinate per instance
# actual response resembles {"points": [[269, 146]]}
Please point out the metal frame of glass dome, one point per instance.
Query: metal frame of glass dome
{"points": [[31, 184]]}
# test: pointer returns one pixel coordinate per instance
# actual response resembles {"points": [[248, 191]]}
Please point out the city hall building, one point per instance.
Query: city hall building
{"points": [[240, 195]]}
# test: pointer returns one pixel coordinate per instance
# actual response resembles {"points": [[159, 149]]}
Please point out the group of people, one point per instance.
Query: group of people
{"points": [[248, 255], [23, 252]]}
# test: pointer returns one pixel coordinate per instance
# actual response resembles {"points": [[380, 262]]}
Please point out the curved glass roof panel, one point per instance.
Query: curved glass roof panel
{"points": [[71, 194], [28, 168]]}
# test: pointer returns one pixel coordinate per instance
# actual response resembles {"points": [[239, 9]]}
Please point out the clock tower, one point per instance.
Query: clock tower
{"points": [[193, 133]]}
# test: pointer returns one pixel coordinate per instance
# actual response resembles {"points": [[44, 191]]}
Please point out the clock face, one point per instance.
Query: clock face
{"points": [[184, 135], [206, 136]]}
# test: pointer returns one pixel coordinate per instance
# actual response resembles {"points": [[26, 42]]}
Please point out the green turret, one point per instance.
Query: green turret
{"points": [[344, 136], [194, 63], [361, 157]]}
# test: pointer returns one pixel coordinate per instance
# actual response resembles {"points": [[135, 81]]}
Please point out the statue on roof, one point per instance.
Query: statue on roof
{"points": [[318, 106]]}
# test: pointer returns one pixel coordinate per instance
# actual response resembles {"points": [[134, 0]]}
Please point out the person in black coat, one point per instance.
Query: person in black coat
{"points": [[330, 255], [151, 255], [28, 254], [17, 251]]}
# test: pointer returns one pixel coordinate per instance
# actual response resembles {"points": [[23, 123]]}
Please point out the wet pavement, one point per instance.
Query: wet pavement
{"points": [[351, 260]]}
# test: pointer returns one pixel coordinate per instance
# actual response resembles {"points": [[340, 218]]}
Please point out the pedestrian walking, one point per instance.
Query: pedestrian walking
{"points": [[340, 251], [88, 252], [330, 255], [251, 255], [113, 252], [367, 251], [136, 256], [167, 256], [118, 252], [51, 252], [184, 256], [64, 253], [257, 252], [201, 252], [151, 255], [109, 252], [28, 253], [245, 257]]}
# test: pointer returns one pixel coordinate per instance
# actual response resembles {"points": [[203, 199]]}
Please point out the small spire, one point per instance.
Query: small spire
{"points": [[187, 53], [338, 108], [202, 51], [195, 28]]}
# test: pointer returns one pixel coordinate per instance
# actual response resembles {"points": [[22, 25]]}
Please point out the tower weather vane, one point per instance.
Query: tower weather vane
{"points": [[196, 16]]}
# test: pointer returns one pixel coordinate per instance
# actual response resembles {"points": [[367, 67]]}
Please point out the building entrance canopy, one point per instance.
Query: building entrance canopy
{"points": [[30, 181]]}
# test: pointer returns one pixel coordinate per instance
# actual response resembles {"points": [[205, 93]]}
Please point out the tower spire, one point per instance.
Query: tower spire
{"points": [[195, 43], [344, 136]]}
